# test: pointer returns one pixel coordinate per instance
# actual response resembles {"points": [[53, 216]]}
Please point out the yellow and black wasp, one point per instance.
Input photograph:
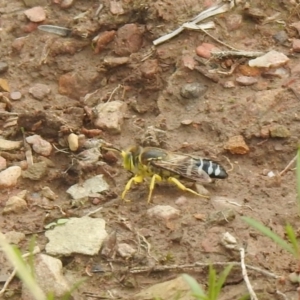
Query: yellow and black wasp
{"points": [[162, 165]]}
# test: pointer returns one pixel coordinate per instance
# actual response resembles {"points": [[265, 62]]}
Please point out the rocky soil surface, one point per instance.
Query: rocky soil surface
{"points": [[78, 75]]}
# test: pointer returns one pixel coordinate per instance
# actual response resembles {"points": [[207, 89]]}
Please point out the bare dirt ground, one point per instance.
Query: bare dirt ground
{"points": [[150, 84]]}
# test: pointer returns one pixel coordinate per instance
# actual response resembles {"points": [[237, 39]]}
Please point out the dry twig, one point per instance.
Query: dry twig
{"points": [[288, 166], [245, 275]]}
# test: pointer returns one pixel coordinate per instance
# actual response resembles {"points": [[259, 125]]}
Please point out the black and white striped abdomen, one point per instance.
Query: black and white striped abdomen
{"points": [[213, 169]]}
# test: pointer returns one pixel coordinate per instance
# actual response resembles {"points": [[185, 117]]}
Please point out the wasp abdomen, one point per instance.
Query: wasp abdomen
{"points": [[213, 169]]}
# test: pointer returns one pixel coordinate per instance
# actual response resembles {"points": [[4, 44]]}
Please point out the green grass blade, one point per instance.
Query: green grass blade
{"points": [[212, 283], [269, 233], [221, 279], [293, 239], [195, 287]]}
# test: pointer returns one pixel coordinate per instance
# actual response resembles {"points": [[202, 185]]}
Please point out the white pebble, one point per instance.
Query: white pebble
{"points": [[73, 141], [39, 145]]}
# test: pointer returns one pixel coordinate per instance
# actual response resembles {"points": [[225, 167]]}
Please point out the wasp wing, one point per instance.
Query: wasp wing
{"points": [[183, 165]]}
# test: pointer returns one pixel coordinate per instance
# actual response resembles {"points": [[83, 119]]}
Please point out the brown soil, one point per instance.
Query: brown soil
{"points": [[220, 114]]}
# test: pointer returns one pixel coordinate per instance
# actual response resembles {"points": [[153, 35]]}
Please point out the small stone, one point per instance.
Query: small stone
{"points": [[296, 45], [14, 237], [48, 193], [200, 217], [125, 250], [229, 84], [129, 40], [228, 241], [15, 96], [110, 116], [111, 61], [188, 61], [79, 235], [39, 91], [116, 7], [186, 122], [6, 145], [271, 59], [3, 163], [249, 71], [193, 90], [149, 68], [39, 145], [163, 212], [265, 132], [35, 14], [9, 177], [279, 131], [92, 186], [66, 3], [4, 85], [280, 37], [234, 21], [103, 39], [3, 67], [182, 200], [18, 44], [246, 80], [201, 190], [73, 141], [236, 145], [204, 50], [36, 171], [48, 274], [294, 277], [221, 218], [15, 204]]}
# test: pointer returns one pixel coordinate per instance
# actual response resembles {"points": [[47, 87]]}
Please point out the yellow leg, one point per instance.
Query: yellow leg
{"points": [[154, 178], [135, 179], [184, 188]]}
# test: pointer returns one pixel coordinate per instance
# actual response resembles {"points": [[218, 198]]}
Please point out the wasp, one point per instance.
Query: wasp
{"points": [[161, 165]]}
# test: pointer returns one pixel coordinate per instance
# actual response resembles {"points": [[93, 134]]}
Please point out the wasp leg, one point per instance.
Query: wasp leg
{"points": [[154, 178], [135, 179], [184, 188]]}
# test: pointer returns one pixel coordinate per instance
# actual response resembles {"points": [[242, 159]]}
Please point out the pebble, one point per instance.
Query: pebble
{"points": [[36, 171], [110, 116], [91, 186], [3, 67], [149, 68], [129, 39], [103, 39], [201, 190], [9, 177], [39, 91], [48, 274], [186, 122], [249, 71], [236, 145], [14, 237], [125, 250], [204, 50], [4, 85], [163, 212], [280, 37], [35, 14], [15, 96], [66, 3], [296, 45], [48, 193], [188, 61], [221, 218], [180, 201], [73, 141], [193, 90], [279, 131], [234, 22], [111, 61], [229, 84], [228, 241], [15, 204], [79, 235], [39, 145], [271, 59], [6, 145], [116, 8], [246, 80], [3, 163]]}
